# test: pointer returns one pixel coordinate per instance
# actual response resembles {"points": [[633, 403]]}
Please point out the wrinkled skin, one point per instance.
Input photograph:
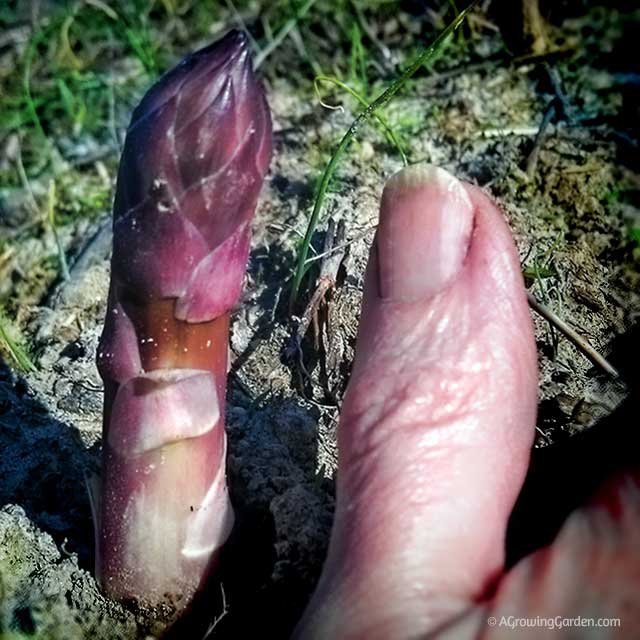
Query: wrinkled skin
{"points": [[434, 444]]}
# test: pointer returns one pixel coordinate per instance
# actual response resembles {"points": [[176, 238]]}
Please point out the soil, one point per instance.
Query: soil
{"points": [[570, 217]]}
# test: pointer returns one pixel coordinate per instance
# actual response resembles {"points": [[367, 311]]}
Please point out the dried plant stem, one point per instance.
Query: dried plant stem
{"points": [[581, 343], [532, 160]]}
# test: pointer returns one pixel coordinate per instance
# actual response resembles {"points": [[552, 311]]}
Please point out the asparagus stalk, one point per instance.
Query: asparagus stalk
{"points": [[193, 163]]}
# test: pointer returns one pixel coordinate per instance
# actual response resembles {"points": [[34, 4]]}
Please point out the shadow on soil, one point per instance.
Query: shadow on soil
{"points": [[563, 476], [42, 467]]}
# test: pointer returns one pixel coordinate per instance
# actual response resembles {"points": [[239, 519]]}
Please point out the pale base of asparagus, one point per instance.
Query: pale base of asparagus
{"points": [[165, 508]]}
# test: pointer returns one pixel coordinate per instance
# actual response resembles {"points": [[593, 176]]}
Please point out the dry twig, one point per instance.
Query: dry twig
{"points": [[333, 253], [218, 618], [532, 160], [581, 343]]}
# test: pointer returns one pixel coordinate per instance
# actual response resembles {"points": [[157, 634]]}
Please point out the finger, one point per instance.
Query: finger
{"points": [[586, 584], [438, 419]]}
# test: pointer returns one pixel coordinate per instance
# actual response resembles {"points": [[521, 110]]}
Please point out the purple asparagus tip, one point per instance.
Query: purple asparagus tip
{"points": [[198, 144]]}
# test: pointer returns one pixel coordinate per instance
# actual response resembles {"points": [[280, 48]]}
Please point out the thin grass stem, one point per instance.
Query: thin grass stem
{"points": [[362, 117], [282, 34], [391, 136], [17, 353], [51, 216]]}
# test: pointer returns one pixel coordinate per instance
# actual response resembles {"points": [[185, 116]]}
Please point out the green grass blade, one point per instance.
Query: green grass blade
{"points": [[26, 85], [51, 215], [379, 102], [282, 34], [391, 136], [12, 347]]}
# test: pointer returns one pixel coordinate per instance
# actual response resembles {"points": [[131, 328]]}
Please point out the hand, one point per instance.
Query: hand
{"points": [[434, 444]]}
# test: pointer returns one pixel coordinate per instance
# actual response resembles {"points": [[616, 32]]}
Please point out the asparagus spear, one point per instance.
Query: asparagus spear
{"points": [[193, 163]]}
